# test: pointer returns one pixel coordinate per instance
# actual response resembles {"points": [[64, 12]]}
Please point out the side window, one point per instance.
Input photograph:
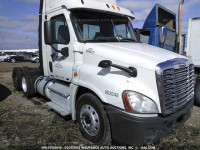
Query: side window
{"points": [[90, 31], [144, 36], [61, 30]]}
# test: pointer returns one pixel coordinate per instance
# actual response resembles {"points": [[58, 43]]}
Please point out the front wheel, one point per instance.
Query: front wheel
{"points": [[37, 60], [13, 60], [197, 92], [92, 119]]}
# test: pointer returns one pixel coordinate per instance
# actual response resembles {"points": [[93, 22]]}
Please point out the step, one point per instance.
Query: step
{"points": [[58, 109]]}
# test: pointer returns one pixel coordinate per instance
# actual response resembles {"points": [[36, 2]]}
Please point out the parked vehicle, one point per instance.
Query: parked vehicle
{"points": [[93, 68], [26, 55], [34, 59], [14, 59], [3, 57], [160, 30]]}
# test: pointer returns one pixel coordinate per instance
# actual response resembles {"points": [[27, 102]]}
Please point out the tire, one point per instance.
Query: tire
{"points": [[37, 60], [27, 83], [197, 92], [90, 111], [13, 60], [17, 78]]}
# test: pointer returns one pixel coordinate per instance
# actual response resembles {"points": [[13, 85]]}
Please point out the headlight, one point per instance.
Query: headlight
{"points": [[139, 103]]}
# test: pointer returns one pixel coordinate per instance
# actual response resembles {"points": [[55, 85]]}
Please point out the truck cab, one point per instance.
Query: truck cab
{"points": [[93, 67], [159, 29]]}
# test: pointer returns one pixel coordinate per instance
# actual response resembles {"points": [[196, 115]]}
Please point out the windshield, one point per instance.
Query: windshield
{"points": [[93, 26]]}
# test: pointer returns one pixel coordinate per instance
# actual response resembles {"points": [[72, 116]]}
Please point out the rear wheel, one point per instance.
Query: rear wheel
{"points": [[92, 119], [17, 78], [197, 92], [27, 83]]}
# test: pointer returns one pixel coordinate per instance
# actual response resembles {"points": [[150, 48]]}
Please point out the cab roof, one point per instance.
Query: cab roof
{"points": [[102, 5]]}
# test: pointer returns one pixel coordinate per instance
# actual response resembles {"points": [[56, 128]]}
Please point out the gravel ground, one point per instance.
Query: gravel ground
{"points": [[29, 123]]}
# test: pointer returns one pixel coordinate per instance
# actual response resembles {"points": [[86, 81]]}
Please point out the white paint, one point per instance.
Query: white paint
{"points": [[143, 57], [193, 45]]}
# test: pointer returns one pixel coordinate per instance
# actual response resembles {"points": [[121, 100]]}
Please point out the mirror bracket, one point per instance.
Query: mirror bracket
{"points": [[63, 51]]}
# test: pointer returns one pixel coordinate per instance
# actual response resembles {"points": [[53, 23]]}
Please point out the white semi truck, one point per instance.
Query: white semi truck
{"points": [[193, 51], [93, 68]]}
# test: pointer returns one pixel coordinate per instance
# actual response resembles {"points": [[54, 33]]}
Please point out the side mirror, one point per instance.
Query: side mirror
{"points": [[163, 35], [65, 51], [49, 32]]}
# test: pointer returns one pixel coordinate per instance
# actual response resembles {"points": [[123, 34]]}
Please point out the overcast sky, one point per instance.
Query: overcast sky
{"points": [[19, 18]]}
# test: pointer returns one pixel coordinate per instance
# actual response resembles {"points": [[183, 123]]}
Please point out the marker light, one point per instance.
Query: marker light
{"points": [[113, 7], [75, 74], [118, 8], [107, 5]]}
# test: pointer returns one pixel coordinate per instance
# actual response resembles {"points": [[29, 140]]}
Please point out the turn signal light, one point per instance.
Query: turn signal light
{"points": [[126, 103], [75, 74]]}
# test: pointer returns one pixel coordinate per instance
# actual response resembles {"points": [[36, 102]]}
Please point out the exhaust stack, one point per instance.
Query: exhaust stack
{"points": [[180, 41]]}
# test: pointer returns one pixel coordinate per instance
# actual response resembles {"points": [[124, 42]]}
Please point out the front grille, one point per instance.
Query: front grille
{"points": [[175, 80]]}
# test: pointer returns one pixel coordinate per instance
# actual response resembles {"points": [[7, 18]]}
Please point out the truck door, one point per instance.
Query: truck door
{"points": [[59, 66]]}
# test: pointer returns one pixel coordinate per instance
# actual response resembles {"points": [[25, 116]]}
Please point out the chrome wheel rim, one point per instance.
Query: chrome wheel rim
{"points": [[24, 84], [90, 120], [12, 60]]}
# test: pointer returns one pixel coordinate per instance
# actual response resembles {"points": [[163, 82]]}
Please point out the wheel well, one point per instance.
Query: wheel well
{"points": [[83, 90]]}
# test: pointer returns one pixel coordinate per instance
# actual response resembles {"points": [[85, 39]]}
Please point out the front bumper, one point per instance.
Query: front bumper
{"points": [[130, 130]]}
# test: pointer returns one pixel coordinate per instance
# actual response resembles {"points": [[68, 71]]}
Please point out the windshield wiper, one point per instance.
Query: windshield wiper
{"points": [[127, 40], [96, 40], [115, 29]]}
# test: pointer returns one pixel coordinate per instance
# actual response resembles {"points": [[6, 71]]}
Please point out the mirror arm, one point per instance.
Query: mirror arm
{"points": [[63, 51], [55, 48]]}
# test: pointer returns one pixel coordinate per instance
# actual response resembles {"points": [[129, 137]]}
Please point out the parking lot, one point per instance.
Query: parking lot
{"points": [[29, 123]]}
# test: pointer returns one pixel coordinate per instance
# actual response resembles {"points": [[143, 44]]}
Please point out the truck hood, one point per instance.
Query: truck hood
{"points": [[135, 54]]}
